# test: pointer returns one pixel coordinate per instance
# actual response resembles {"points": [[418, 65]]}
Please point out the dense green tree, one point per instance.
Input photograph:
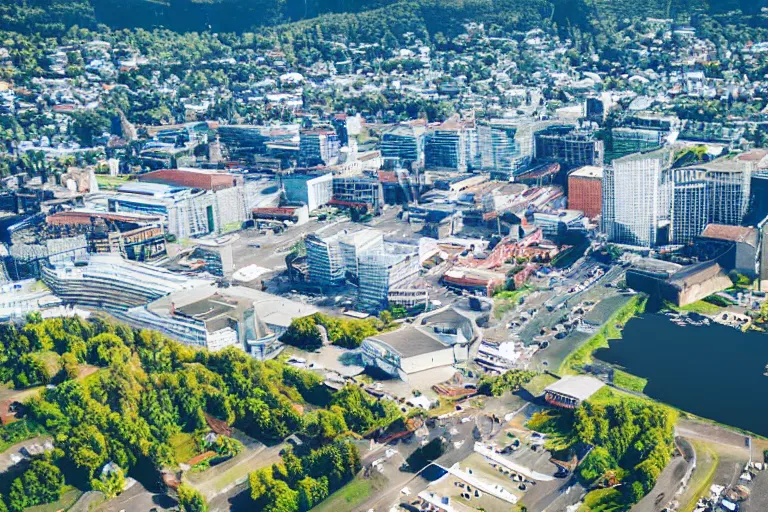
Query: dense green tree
{"points": [[190, 499]]}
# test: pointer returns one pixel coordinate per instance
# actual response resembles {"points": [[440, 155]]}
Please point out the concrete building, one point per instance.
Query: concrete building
{"points": [[357, 191], [313, 190], [193, 178], [734, 247], [568, 146], [559, 223], [570, 391], [585, 190], [435, 340], [679, 285], [474, 280], [636, 198], [188, 212], [214, 318], [108, 281]]}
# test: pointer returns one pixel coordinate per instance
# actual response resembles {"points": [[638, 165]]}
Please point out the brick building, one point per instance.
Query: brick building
{"points": [[585, 190]]}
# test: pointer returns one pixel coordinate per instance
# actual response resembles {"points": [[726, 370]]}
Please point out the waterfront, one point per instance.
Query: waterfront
{"points": [[715, 372]]}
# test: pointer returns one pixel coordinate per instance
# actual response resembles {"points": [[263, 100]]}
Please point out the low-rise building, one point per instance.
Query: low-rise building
{"points": [[214, 318], [435, 340], [570, 391]]}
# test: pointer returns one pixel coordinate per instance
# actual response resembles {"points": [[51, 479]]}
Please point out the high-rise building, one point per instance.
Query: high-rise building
{"points": [[446, 146], [394, 267], [648, 203], [506, 147], [565, 144], [403, 145], [585, 190], [690, 204], [636, 198], [318, 146], [355, 245], [325, 261]]}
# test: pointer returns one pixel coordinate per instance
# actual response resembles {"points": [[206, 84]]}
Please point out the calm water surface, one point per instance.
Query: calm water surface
{"points": [[712, 371]]}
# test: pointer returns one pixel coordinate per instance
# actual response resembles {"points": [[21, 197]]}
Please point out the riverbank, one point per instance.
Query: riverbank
{"points": [[610, 330], [710, 371]]}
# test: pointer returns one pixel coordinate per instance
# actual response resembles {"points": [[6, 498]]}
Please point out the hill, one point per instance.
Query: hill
{"points": [[54, 17]]}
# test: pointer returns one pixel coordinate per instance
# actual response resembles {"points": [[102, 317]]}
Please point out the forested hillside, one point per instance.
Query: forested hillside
{"points": [[54, 17]]}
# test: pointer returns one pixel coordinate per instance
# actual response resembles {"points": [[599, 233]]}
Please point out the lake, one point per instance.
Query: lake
{"points": [[713, 371]]}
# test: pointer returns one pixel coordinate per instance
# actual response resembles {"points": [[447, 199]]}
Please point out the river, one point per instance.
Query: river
{"points": [[713, 371]]}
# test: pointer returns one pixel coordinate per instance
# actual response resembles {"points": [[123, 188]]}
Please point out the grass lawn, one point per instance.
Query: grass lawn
{"points": [[183, 446], [628, 381], [536, 386], [68, 498], [706, 467], [507, 301], [610, 330], [110, 182], [701, 307], [352, 495]]}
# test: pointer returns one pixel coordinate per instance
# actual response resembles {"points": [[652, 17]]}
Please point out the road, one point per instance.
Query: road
{"points": [[672, 478], [415, 482]]}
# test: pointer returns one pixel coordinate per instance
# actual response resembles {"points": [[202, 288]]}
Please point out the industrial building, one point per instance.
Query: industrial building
{"points": [[570, 391], [434, 340], [585, 190], [313, 190]]}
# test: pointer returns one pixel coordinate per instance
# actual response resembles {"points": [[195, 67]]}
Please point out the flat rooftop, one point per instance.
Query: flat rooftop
{"points": [[409, 341], [588, 171], [579, 387]]}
